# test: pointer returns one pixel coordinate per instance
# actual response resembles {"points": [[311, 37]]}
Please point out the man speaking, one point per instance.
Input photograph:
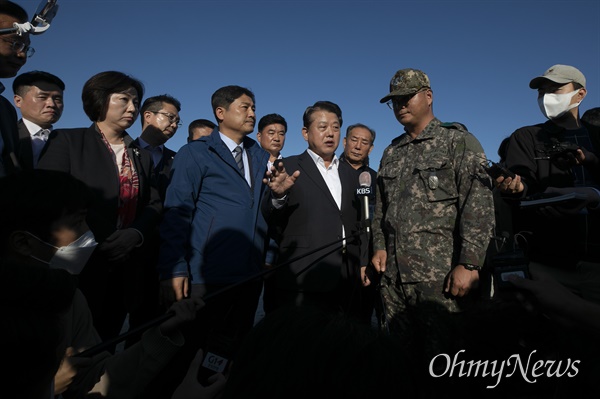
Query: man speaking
{"points": [[321, 208]]}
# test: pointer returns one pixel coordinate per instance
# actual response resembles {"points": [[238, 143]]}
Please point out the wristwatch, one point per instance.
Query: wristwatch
{"points": [[471, 267]]}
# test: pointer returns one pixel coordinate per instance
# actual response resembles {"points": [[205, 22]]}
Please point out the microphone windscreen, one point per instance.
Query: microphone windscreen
{"points": [[364, 179]]}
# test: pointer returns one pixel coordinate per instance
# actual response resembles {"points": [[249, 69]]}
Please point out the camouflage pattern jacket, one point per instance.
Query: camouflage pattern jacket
{"points": [[434, 208]]}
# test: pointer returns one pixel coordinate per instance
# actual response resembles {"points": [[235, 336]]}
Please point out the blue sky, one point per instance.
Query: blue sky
{"points": [[479, 55]]}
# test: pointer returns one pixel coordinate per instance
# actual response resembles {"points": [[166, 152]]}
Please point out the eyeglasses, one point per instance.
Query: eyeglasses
{"points": [[172, 118], [20, 46], [403, 99]]}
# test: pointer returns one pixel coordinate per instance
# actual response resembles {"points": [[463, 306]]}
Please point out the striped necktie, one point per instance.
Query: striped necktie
{"points": [[239, 159]]}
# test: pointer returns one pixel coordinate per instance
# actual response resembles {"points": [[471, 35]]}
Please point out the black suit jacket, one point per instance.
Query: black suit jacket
{"points": [[10, 137], [162, 171], [82, 153], [373, 173], [25, 151], [311, 219]]}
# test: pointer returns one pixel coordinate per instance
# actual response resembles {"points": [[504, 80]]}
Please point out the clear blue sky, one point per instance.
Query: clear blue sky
{"points": [[479, 55]]}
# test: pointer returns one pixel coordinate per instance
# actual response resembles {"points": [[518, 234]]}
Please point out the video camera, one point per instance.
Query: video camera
{"points": [[559, 151]]}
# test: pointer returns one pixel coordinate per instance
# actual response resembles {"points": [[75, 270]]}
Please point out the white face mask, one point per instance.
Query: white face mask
{"points": [[556, 105], [74, 256]]}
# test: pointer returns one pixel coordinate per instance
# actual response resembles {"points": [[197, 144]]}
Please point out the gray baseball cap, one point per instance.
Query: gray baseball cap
{"points": [[405, 82], [559, 74]]}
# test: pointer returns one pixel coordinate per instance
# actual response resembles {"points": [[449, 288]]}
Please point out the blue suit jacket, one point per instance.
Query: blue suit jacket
{"points": [[213, 229]]}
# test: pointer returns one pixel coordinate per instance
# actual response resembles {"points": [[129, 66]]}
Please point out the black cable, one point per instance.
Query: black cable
{"points": [[103, 346]]}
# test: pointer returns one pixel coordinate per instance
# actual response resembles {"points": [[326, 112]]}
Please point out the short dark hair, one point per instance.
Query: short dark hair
{"points": [[352, 127], [591, 121], [224, 96], [98, 89], [33, 200], [200, 123], [27, 79], [271, 119], [321, 106], [503, 149], [591, 117], [14, 10], [155, 103]]}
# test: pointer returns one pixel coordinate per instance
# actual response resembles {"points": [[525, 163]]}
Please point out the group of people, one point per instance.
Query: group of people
{"points": [[97, 226]]}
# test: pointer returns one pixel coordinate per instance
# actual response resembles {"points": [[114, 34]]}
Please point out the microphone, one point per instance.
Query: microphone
{"points": [[363, 192], [44, 15], [40, 22]]}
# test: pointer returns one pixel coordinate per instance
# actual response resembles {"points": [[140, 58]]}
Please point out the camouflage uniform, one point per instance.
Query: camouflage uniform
{"points": [[434, 210]]}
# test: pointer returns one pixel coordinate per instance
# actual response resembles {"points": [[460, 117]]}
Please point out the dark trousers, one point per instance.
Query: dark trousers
{"points": [[103, 284], [347, 296], [143, 289]]}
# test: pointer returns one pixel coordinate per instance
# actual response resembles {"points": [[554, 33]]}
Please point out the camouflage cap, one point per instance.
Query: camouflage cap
{"points": [[405, 82], [559, 74]]}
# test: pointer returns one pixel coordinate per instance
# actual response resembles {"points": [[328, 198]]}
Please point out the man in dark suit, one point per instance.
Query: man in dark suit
{"points": [[358, 144], [9, 137], [39, 97], [160, 121], [14, 51], [321, 208]]}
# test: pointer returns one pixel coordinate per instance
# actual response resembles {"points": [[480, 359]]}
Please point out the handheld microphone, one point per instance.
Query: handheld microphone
{"points": [[40, 22], [363, 192], [44, 15]]}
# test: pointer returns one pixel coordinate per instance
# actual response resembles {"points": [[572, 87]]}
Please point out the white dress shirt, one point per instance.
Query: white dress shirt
{"points": [[269, 163], [231, 145], [330, 175], [332, 179], [39, 137]]}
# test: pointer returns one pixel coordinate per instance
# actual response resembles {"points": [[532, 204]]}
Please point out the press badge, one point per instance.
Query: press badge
{"points": [[433, 181], [214, 362]]}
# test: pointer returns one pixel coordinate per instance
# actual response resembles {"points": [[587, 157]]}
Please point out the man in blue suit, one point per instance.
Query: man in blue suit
{"points": [[213, 232]]}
